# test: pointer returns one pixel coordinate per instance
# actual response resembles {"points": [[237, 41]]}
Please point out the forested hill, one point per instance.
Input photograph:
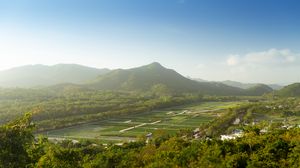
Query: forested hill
{"points": [[42, 75], [144, 78], [258, 90], [292, 90], [156, 77]]}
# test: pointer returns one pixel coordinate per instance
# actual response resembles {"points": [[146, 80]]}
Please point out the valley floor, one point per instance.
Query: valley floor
{"points": [[132, 127]]}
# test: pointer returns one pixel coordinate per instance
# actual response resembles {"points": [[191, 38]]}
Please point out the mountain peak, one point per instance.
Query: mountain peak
{"points": [[155, 65]]}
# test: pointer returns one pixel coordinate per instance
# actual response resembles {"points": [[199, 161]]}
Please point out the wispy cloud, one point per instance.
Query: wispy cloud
{"points": [[269, 66], [269, 57]]}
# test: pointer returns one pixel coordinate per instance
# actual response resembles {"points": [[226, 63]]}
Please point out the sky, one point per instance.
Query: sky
{"points": [[241, 40]]}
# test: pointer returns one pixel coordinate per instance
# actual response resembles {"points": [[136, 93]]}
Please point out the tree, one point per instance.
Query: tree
{"points": [[15, 140]]}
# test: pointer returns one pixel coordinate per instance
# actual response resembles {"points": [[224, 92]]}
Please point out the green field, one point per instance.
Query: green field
{"points": [[127, 128]]}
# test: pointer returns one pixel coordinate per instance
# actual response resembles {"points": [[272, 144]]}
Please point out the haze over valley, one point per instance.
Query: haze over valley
{"points": [[31, 76]]}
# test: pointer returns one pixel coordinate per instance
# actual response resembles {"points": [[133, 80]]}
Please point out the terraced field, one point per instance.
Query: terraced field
{"points": [[128, 128]]}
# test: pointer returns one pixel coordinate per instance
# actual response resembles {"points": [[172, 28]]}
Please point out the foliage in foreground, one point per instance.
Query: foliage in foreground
{"points": [[277, 148]]}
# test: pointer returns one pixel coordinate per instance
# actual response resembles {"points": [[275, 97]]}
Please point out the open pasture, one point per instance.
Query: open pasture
{"points": [[127, 128]]}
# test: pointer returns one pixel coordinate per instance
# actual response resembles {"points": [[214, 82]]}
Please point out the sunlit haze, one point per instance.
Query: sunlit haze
{"points": [[246, 41]]}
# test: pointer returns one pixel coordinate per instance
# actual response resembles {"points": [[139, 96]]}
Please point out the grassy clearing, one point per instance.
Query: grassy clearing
{"points": [[171, 120]]}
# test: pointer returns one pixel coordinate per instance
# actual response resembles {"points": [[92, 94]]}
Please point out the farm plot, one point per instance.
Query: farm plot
{"points": [[128, 128]]}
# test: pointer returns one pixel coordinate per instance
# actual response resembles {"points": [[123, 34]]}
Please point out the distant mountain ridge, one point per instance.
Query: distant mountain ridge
{"points": [[42, 75], [241, 85], [249, 85]]}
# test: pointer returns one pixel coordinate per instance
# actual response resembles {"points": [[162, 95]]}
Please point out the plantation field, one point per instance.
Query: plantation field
{"points": [[128, 128]]}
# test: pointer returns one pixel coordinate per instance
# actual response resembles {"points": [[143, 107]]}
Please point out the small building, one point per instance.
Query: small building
{"points": [[227, 137], [264, 130], [148, 137], [197, 130], [235, 134], [196, 136], [236, 121]]}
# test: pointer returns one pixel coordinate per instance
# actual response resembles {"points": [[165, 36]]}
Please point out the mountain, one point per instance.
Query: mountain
{"points": [[275, 86], [249, 85], [155, 77], [258, 90], [42, 75], [149, 76], [239, 84], [251, 89], [292, 90]]}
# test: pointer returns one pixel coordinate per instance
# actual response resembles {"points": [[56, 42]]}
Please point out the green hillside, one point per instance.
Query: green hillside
{"points": [[258, 90], [41, 75], [150, 76], [292, 90], [143, 78]]}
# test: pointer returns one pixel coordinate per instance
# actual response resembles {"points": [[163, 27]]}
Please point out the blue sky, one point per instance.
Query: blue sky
{"points": [[244, 40]]}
